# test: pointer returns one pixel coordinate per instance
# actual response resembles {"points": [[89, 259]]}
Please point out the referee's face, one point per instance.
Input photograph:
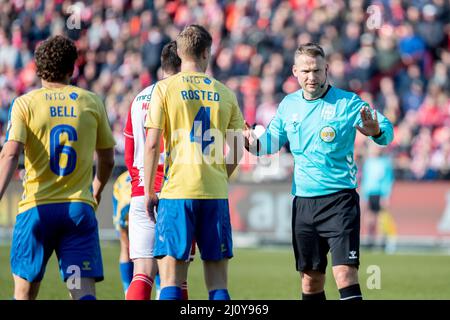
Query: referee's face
{"points": [[311, 73]]}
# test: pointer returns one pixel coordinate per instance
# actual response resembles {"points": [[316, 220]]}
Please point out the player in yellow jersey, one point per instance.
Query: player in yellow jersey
{"points": [[59, 127], [196, 114]]}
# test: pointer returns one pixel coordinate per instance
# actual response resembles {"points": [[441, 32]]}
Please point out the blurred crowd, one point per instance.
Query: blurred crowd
{"points": [[395, 54]]}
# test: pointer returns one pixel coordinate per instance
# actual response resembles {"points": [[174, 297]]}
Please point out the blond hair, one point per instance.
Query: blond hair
{"points": [[310, 49], [193, 40]]}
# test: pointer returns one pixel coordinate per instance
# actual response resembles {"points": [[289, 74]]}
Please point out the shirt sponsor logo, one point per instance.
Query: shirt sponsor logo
{"points": [[73, 96], [327, 134]]}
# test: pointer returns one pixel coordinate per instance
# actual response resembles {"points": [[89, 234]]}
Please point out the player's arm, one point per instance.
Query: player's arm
{"points": [[104, 151], [234, 141], [154, 123], [234, 136], [151, 160], [16, 138], [9, 159], [105, 165]]}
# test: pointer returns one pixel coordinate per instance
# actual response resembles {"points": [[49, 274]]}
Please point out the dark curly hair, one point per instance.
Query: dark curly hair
{"points": [[55, 58], [170, 61]]}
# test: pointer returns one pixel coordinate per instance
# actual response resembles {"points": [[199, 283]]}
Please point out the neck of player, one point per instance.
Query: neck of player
{"points": [[193, 66], [52, 85]]}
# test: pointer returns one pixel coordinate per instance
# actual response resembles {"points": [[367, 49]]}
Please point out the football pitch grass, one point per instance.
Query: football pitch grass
{"points": [[269, 274]]}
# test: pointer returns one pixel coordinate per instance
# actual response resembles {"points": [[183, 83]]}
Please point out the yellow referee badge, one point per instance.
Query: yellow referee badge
{"points": [[327, 134]]}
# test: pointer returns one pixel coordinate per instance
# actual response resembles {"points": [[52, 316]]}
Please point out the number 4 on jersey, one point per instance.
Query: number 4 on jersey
{"points": [[200, 128]]}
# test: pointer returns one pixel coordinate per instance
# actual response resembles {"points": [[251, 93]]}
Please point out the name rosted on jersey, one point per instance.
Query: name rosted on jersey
{"points": [[198, 94]]}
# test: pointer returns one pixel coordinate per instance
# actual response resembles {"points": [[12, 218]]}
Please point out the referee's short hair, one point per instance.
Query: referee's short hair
{"points": [[55, 58], [170, 61], [310, 49]]}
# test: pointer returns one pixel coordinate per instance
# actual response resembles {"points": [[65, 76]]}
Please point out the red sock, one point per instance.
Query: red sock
{"points": [[184, 291], [140, 288]]}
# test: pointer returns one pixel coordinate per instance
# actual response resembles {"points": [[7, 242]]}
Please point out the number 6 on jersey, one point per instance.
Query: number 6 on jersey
{"points": [[56, 149]]}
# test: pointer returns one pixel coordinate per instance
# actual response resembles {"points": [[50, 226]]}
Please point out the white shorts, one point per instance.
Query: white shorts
{"points": [[141, 230]]}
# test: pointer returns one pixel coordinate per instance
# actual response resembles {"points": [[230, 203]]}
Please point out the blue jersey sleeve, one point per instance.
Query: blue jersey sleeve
{"points": [[385, 125], [274, 138]]}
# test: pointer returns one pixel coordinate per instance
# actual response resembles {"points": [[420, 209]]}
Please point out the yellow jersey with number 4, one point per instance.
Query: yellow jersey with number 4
{"points": [[60, 129], [194, 111]]}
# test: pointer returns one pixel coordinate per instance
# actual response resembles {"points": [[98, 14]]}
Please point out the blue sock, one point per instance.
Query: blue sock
{"points": [[126, 274], [88, 297], [220, 294], [157, 282], [170, 293]]}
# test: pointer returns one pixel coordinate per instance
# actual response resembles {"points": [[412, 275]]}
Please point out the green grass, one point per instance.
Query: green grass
{"points": [[259, 274]]}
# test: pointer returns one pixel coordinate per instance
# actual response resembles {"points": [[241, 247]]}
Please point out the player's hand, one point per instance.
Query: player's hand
{"points": [[249, 137], [97, 197], [370, 124], [151, 205]]}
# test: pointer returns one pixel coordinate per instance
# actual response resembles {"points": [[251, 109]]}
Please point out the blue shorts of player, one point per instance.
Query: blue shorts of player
{"points": [[70, 229], [120, 219], [180, 221]]}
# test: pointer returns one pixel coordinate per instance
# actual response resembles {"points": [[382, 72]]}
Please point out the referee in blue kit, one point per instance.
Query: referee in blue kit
{"points": [[320, 123]]}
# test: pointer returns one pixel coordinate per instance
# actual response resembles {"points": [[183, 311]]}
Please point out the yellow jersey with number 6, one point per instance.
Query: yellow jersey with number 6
{"points": [[60, 128], [194, 111]]}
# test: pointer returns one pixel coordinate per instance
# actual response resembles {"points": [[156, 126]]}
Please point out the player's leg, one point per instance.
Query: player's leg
{"points": [[85, 290], [310, 250], [214, 240], [120, 221], [184, 285], [182, 273], [343, 227], [173, 240], [78, 252], [125, 263], [142, 238], [30, 250], [216, 279], [371, 219], [25, 290]]}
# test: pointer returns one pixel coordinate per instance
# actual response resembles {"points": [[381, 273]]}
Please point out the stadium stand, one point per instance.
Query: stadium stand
{"points": [[399, 64]]}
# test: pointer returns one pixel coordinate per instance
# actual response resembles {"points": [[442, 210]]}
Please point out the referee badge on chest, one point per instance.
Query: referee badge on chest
{"points": [[327, 134]]}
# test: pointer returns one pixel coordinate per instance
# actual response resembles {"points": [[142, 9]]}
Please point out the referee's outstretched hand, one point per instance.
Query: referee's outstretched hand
{"points": [[370, 126]]}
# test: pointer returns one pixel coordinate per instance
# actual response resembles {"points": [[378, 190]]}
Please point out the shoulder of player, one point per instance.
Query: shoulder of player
{"points": [[145, 94], [26, 99], [164, 84], [223, 88], [77, 92]]}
